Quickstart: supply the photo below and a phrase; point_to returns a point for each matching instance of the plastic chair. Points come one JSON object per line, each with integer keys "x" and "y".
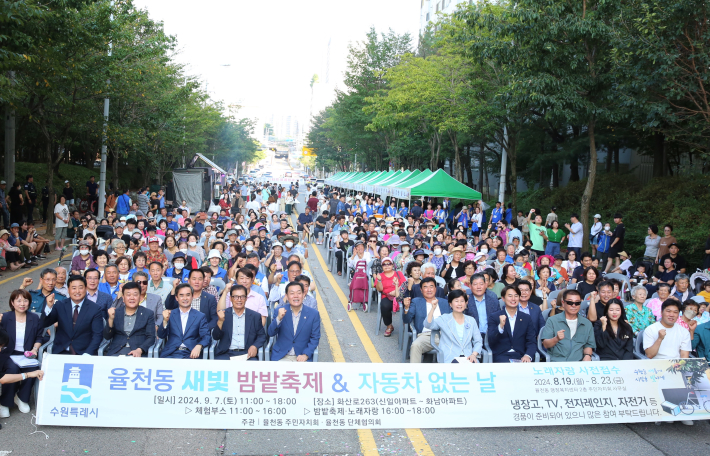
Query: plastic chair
{"x": 546, "y": 314}
{"x": 154, "y": 350}
{"x": 626, "y": 284}
{"x": 501, "y": 303}
{"x": 639, "y": 352}
{"x": 552, "y": 295}
{"x": 572, "y": 286}
{"x": 408, "y": 338}
{"x": 541, "y": 348}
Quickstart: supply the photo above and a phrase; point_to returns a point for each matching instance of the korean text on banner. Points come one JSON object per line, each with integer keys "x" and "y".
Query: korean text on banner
{"x": 128, "y": 392}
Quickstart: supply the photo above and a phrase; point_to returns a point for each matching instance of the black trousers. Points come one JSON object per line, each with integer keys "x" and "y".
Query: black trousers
{"x": 23, "y": 389}
{"x": 386, "y": 309}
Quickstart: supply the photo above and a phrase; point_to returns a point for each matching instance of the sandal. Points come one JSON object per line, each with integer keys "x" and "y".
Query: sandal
{"x": 388, "y": 331}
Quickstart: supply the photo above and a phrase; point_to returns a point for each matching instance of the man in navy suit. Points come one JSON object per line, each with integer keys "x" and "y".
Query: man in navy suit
{"x": 511, "y": 332}
{"x": 101, "y": 299}
{"x": 80, "y": 321}
{"x": 482, "y": 302}
{"x": 297, "y": 328}
{"x": 203, "y": 301}
{"x": 239, "y": 330}
{"x": 185, "y": 327}
{"x": 131, "y": 327}
{"x": 417, "y": 309}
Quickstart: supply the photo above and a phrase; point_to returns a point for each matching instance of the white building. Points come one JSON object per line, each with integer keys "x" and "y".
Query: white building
{"x": 430, "y": 8}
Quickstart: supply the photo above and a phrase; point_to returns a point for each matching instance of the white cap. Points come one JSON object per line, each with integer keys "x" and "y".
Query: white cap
{"x": 66, "y": 182}
{"x": 214, "y": 253}
{"x": 597, "y": 216}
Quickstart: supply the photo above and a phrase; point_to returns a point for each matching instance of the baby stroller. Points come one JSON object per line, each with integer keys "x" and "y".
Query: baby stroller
{"x": 359, "y": 286}
{"x": 698, "y": 279}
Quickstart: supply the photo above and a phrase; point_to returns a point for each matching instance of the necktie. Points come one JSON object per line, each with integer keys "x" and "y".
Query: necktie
{"x": 74, "y": 318}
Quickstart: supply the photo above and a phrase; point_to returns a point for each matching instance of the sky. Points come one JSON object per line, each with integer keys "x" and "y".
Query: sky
{"x": 262, "y": 54}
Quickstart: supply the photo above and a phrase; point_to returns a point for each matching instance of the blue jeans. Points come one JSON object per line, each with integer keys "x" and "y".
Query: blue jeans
{"x": 552, "y": 249}
{"x": 5, "y": 214}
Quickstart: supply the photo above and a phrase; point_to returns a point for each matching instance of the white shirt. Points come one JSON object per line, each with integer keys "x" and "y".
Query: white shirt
{"x": 20, "y": 336}
{"x": 63, "y": 211}
{"x": 183, "y": 320}
{"x": 572, "y": 327}
{"x": 677, "y": 339}
{"x": 596, "y": 229}
{"x": 437, "y": 314}
{"x": 575, "y": 239}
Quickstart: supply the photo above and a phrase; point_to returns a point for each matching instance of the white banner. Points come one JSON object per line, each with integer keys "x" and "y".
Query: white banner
{"x": 165, "y": 393}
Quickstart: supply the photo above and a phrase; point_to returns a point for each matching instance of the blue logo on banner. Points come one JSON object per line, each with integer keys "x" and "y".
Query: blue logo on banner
{"x": 76, "y": 383}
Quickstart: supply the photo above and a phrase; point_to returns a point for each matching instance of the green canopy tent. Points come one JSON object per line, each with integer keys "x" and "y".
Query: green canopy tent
{"x": 370, "y": 185}
{"x": 441, "y": 185}
{"x": 393, "y": 183}
{"x": 381, "y": 187}
{"x": 399, "y": 189}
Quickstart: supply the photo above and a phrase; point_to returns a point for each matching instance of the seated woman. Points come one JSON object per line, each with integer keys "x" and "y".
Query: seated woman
{"x": 460, "y": 340}
{"x": 22, "y": 332}
{"x": 591, "y": 280}
{"x": 613, "y": 335}
{"x": 639, "y": 316}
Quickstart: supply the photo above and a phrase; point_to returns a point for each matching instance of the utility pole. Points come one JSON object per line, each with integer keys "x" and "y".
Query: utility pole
{"x": 10, "y": 140}
{"x": 102, "y": 173}
{"x": 503, "y": 168}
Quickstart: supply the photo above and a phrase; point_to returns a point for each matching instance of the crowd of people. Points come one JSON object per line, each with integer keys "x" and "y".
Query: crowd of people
{"x": 166, "y": 280}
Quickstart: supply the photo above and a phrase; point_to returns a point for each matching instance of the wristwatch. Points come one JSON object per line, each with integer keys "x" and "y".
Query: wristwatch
{"x": 24, "y": 376}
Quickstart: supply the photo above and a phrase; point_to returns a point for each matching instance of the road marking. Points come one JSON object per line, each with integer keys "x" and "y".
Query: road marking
{"x": 368, "y": 446}
{"x": 421, "y": 446}
{"x": 354, "y": 319}
{"x": 419, "y": 442}
{"x": 20, "y": 275}
{"x": 328, "y": 325}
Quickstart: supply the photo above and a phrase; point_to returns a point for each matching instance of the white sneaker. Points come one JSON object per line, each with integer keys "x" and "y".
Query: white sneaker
{"x": 687, "y": 422}
{"x": 4, "y": 412}
{"x": 22, "y": 406}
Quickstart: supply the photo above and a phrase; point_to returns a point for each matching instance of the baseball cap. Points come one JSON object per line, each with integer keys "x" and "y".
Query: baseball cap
{"x": 120, "y": 225}
{"x": 672, "y": 244}
{"x": 14, "y": 225}
{"x": 123, "y": 218}
{"x": 140, "y": 213}
{"x": 153, "y": 239}
{"x": 66, "y": 182}
{"x": 597, "y": 216}
{"x": 3, "y": 182}
{"x": 214, "y": 253}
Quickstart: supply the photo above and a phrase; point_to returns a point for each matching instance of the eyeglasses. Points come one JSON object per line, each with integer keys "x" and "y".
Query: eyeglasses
{"x": 142, "y": 282}
{"x": 573, "y": 303}
{"x": 239, "y": 297}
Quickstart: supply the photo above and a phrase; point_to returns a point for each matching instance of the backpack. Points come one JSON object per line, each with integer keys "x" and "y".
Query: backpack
{"x": 359, "y": 284}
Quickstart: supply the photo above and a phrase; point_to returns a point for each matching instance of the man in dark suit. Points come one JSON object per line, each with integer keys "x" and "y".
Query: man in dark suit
{"x": 101, "y": 299}
{"x": 297, "y": 328}
{"x": 239, "y": 330}
{"x": 203, "y": 301}
{"x": 511, "y": 332}
{"x": 417, "y": 310}
{"x": 185, "y": 327}
{"x": 130, "y": 328}
{"x": 482, "y": 302}
{"x": 529, "y": 307}
{"x": 80, "y": 321}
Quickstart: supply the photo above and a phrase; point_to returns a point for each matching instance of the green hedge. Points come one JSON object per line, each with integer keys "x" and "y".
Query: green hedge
{"x": 683, "y": 201}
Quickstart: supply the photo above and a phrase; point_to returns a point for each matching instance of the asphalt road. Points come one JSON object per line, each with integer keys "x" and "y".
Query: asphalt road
{"x": 355, "y": 335}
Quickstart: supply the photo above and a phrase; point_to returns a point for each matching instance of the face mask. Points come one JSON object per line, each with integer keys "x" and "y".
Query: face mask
{"x": 249, "y": 248}
{"x": 437, "y": 251}
{"x": 484, "y": 250}
{"x": 519, "y": 263}
{"x": 192, "y": 244}
{"x": 289, "y": 244}
{"x": 470, "y": 257}
{"x": 689, "y": 314}
{"x": 183, "y": 251}
{"x": 607, "y": 227}
{"x": 405, "y": 249}
{"x": 179, "y": 266}
{"x": 84, "y": 252}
